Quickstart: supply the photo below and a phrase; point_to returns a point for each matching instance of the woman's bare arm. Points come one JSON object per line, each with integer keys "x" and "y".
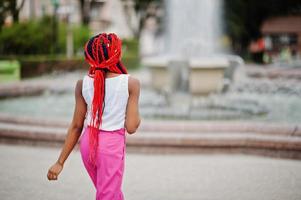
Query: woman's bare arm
{"x": 73, "y": 134}
{"x": 132, "y": 119}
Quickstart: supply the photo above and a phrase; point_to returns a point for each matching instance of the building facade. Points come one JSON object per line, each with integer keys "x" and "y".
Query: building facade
{"x": 282, "y": 36}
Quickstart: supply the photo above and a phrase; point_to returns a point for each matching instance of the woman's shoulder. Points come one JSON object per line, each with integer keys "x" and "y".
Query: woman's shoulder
{"x": 133, "y": 83}
{"x": 79, "y": 84}
{"x": 133, "y": 80}
{"x": 78, "y": 87}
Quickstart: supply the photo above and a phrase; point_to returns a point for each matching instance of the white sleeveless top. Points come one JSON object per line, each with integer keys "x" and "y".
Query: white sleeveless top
{"x": 116, "y": 98}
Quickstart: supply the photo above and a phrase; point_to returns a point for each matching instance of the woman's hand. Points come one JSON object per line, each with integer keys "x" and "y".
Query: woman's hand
{"x": 54, "y": 171}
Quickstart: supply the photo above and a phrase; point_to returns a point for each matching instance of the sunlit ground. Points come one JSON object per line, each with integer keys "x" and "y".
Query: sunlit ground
{"x": 148, "y": 177}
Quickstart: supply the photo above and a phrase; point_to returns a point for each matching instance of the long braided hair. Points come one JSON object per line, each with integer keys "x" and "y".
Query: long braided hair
{"x": 103, "y": 53}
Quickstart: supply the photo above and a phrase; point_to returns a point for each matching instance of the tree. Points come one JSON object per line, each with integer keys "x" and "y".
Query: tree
{"x": 10, "y": 7}
{"x": 15, "y": 9}
{"x": 85, "y": 10}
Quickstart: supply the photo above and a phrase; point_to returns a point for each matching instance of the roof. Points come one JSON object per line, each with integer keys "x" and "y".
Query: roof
{"x": 285, "y": 24}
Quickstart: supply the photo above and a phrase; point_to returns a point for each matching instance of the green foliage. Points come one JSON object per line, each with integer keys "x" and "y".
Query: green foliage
{"x": 130, "y": 54}
{"x": 32, "y": 44}
{"x": 36, "y": 37}
{"x": 81, "y": 35}
{"x": 26, "y": 38}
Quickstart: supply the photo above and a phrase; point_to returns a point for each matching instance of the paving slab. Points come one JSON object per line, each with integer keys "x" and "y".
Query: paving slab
{"x": 23, "y": 172}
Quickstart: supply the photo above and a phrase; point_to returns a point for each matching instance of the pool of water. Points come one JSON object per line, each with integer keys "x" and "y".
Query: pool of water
{"x": 57, "y": 106}
{"x": 233, "y": 106}
{"x": 247, "y": 100}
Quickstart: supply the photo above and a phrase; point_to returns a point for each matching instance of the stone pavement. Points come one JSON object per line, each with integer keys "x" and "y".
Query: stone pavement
{"x": 23, "y": 172}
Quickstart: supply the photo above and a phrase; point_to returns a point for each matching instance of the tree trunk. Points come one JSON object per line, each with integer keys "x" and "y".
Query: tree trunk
{"x": 16, "y": 10}
{"x": 85, "y": 11}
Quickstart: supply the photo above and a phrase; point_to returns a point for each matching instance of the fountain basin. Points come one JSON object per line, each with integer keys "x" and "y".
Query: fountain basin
{"x": 206, "y": 75}
{"x": 160, "y": 76}
{"x": 203, "y": 75}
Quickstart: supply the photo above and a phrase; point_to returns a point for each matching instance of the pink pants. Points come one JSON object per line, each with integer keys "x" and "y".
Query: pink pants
{"x": 108, "y": 174}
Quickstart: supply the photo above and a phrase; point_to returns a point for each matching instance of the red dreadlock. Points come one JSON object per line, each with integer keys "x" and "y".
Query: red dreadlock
{"x": 103, "y": 53}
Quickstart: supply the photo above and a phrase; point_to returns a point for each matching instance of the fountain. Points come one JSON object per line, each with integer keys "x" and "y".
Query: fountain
{"x": 190, "y": 57}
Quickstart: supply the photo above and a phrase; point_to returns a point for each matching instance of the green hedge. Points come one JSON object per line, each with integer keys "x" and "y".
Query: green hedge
{"x": 130, "y": 54}
{"x": 35, "y": 67}
{"x": 26, "y": 42}
{"x": 31, "y": 67}
{"x": 26, "y": 38}
{"x": 81, "y": 35}
{"x": 35, "y": 37}
{"x": 42, "y": 64}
